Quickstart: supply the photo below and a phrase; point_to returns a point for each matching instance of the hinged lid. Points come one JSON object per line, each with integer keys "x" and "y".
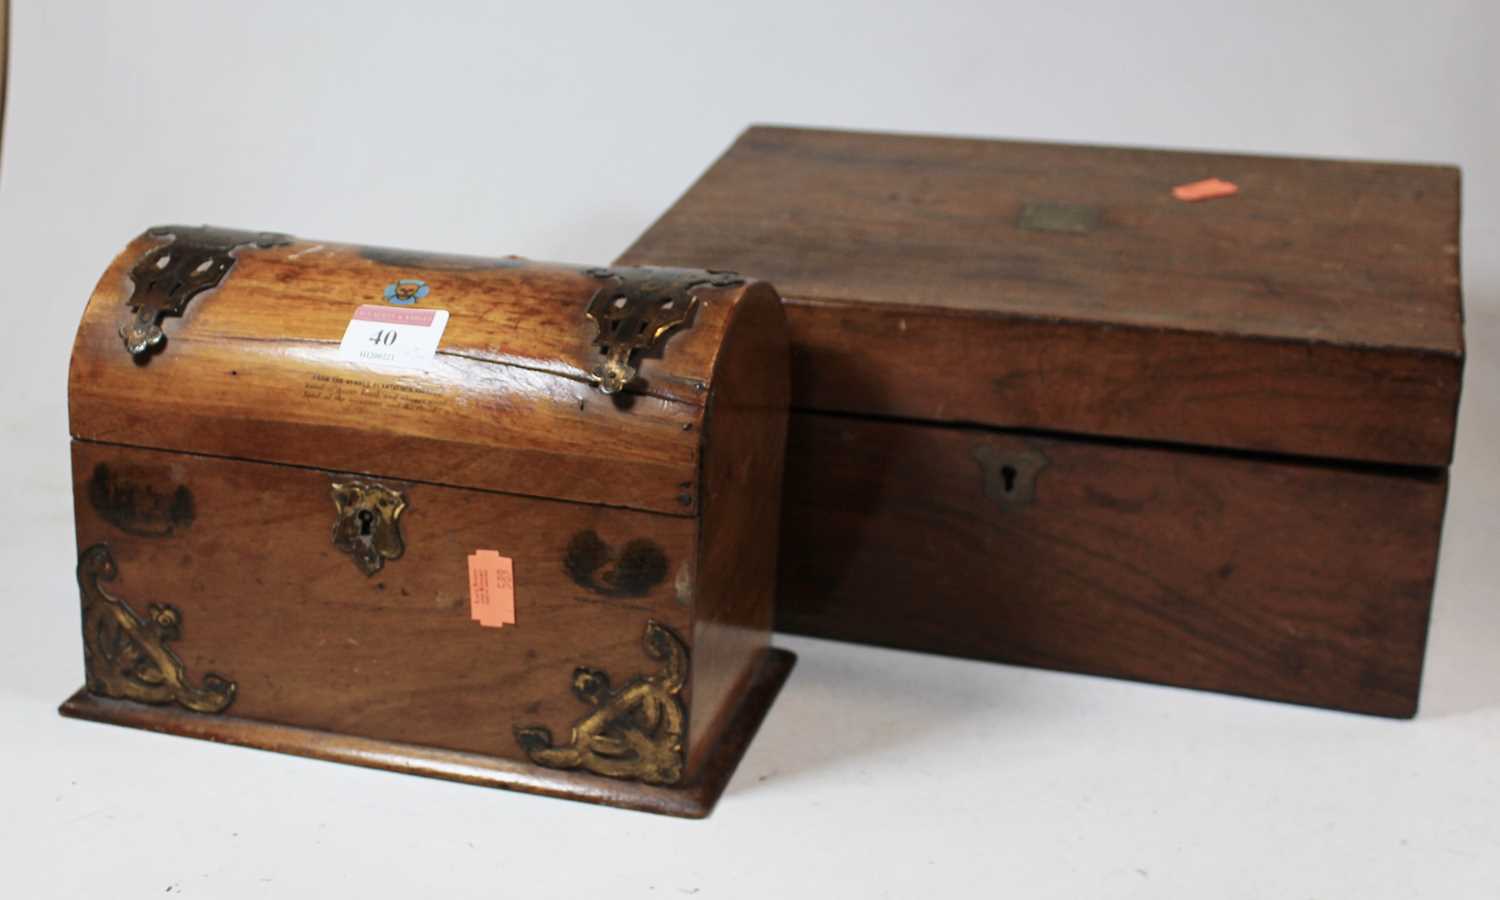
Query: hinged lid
{"x": 554, "y": 381}
{"x": 1316, "y": 312}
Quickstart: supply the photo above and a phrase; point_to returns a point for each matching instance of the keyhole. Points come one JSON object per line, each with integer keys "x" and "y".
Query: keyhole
{"x": 366, "y": 522}
{"x": 1008, "y": 476}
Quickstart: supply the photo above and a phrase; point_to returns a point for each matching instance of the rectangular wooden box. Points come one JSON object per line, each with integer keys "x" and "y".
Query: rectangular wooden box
{"x": 1045, "y": 412}
{"x": 285, "y": 546}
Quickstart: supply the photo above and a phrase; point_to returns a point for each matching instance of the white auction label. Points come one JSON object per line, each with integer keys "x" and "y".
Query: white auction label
{"x": 407, "y": 338}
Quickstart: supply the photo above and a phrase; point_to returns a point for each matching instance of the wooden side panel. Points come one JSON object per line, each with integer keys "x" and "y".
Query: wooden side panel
{"x": 1128, "y": 382}
{"x": 744, "y": 454}
{"x": 1288, "y": 581}
{"x": 244, "y": 550}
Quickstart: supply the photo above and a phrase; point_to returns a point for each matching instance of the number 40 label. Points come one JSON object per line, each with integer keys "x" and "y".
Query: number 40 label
{"x": 383, "y": 335}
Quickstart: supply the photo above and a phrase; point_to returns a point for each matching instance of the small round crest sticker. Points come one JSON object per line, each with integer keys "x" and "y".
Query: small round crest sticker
{"x": 406, "y": 291}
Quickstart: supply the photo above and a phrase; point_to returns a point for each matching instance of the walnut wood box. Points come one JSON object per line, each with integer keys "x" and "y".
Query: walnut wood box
{"x": 1046, "y": 413}
{"x": 275, "y": 537}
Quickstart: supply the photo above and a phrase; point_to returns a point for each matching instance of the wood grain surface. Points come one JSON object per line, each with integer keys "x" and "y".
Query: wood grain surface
{"x": 207, "y": 469}
{"x": 268, "y": 602}
{"x": 1316, "y": 313}
{"x": 694, "y": 800}
{"x": 1300, "y": 582}
{"x": 743, "y": 460}
{"x": 252, "y": 371}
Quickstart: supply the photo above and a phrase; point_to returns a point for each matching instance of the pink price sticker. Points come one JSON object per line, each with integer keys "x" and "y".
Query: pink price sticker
{"x": 492, "y": 589}
{"x": 422, "y": 318}
{"x": 1207, "y": 189}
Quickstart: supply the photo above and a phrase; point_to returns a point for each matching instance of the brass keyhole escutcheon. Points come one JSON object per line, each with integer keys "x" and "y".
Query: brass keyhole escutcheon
{"x": 1009, "y": 475}
{"x": 368, "y": 527}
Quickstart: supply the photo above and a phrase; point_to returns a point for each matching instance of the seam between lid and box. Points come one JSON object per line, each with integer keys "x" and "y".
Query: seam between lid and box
{"x": 686, "y": 514}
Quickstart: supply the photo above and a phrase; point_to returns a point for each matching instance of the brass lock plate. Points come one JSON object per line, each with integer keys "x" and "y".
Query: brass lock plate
{"x": 368, "y": 525}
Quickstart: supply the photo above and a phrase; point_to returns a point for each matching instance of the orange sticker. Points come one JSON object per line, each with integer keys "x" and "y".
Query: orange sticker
{"x": 1207, "y": 189}
{"x": 492, "y": 589}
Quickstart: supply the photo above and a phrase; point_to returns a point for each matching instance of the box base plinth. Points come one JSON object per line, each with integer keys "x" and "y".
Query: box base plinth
{"x": 694, "y": 799}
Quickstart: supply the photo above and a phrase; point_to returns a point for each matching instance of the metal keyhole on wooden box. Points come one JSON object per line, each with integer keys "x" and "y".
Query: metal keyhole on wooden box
{"x": 1009, "y": 477}
{"x": 367, "y": 526}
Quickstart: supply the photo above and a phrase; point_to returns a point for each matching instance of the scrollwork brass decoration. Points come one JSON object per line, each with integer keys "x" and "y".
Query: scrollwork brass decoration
{"x": 127, "y": 657}
{"x": 368, "y": 527}
{"x": 635, "y": 732}
{"x": 169, "y": 275}
{"x": 637, "y": 309}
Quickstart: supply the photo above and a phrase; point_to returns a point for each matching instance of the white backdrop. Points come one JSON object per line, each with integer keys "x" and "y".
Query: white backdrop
{"x": 558, "y": 131}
